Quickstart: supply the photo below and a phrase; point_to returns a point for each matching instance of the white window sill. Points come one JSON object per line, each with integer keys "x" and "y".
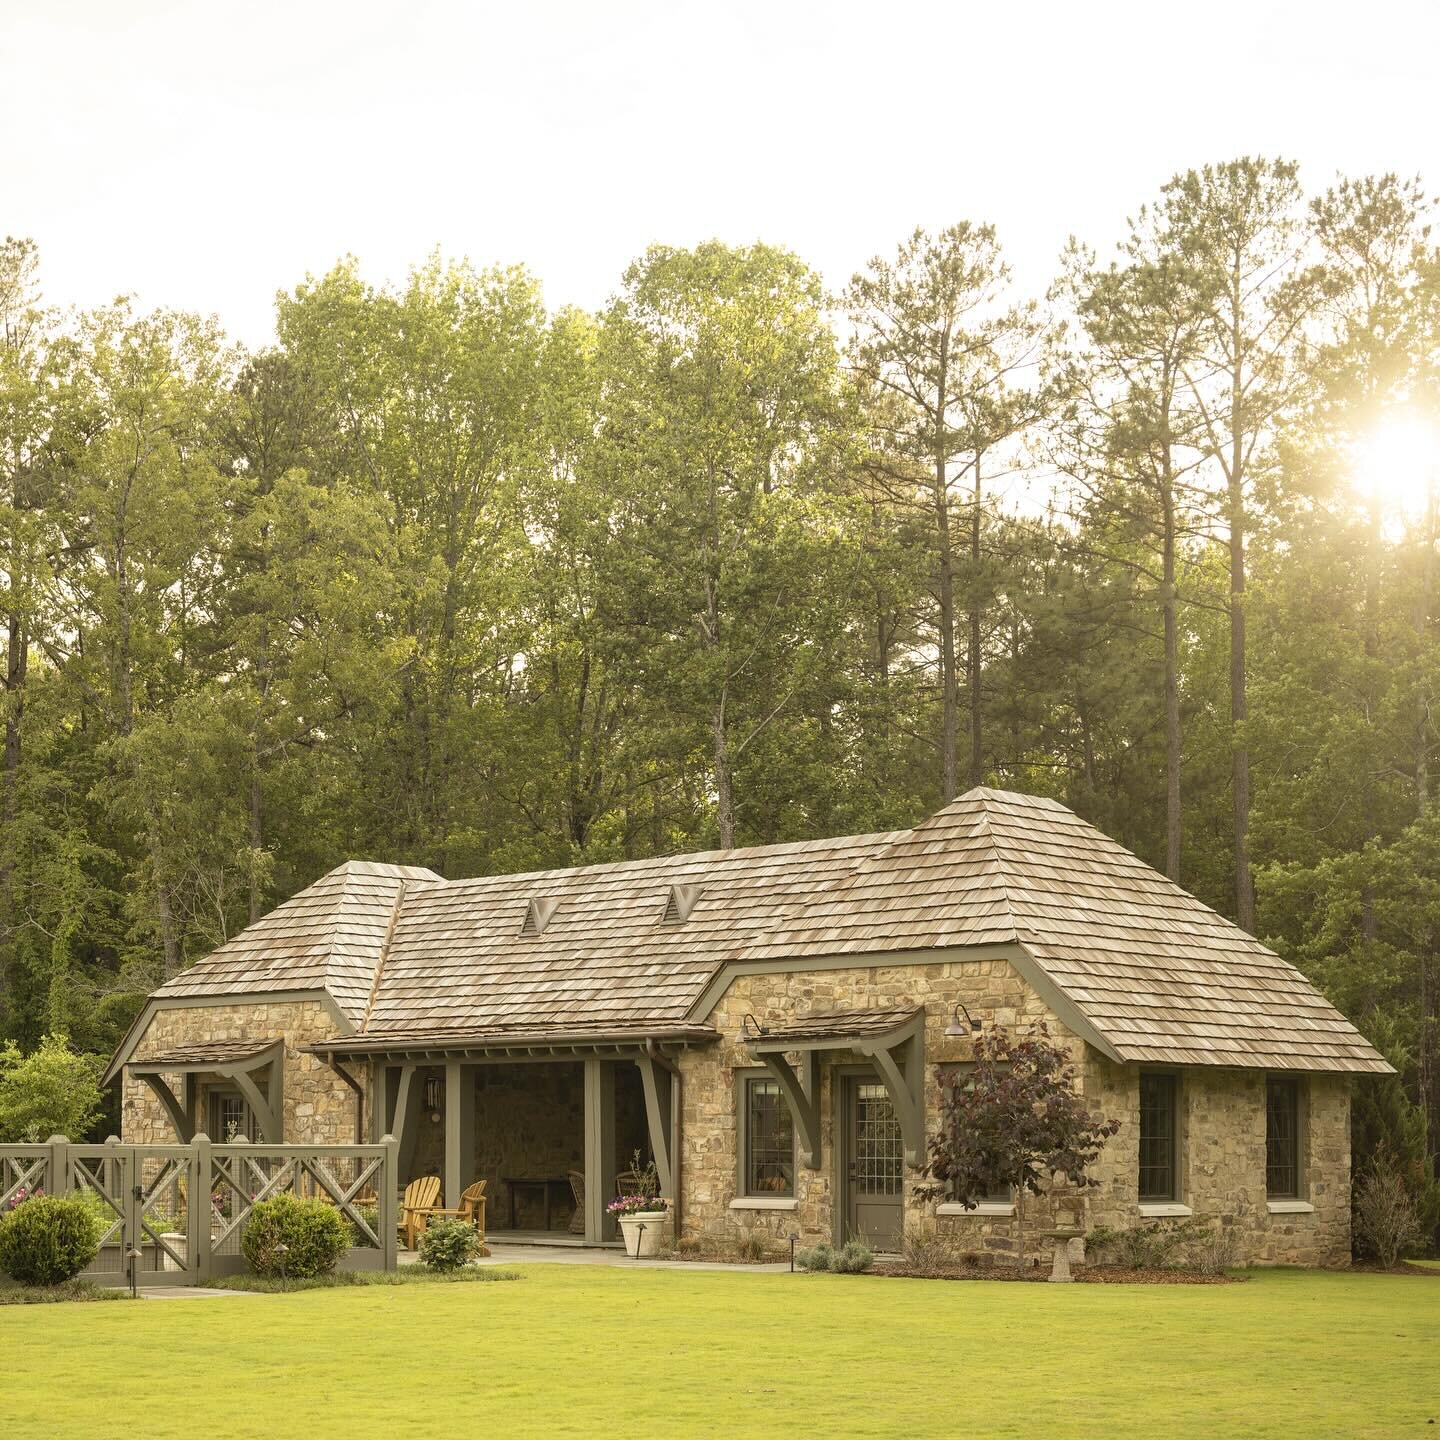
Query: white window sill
{"x": 1167, "y": 1210}
{"x": 764, "y": 1202}
{"x": 985, "y": 1207}
{"x": 1289, "y": 1207}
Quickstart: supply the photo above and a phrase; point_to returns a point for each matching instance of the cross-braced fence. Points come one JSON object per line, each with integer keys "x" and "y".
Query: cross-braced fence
{"x": 176, "y": 1214}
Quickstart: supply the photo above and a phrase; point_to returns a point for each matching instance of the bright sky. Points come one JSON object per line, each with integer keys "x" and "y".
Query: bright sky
{"x": 203, "y": 155}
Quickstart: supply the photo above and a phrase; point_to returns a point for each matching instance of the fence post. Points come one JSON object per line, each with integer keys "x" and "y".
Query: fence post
{"x": 203, "y": 1182}
{"x": 57, "y": 1180}
{"x": 389, "y": 1178}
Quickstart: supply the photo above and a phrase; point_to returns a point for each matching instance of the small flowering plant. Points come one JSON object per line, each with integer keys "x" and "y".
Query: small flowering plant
{"x": 636, "y": 1204}
{"x": 22, "y": 1195}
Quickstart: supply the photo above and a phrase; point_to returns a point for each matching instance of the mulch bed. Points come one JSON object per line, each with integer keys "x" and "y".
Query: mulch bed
{"x": 1082, "y": 1275}
{"x": 1403, "y": 1268}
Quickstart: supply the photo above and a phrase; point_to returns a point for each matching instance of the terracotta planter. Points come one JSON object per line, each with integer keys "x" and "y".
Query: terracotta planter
{"x": 642, "y": 1232}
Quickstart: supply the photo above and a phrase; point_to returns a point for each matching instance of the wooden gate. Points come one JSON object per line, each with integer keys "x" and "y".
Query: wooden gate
{"x": 176, "y": 1214}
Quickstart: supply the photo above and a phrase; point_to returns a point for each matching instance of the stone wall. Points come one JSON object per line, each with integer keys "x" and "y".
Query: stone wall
{"x": 990, "y": 989}
{"x": 317, "y": 1106}
{"x": 1222, "y": 1161}
{"x": 1222, "y": 1125}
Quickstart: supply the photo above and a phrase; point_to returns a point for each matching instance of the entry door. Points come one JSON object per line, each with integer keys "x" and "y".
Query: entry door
{"x": 875, "y": 1153}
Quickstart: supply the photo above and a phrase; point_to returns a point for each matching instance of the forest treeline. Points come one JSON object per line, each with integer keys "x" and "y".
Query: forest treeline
{"x": 447, "y": 578}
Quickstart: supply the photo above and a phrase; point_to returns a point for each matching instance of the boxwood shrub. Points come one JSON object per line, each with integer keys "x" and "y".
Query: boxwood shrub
{"x": 47, "y": 1241}
{"x": 448, "y": 1245}
{"x": 294, "y": 1238}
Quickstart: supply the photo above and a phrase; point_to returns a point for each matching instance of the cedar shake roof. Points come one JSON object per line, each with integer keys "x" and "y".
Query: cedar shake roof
{"x": 329, "y": 937}
{"x": 1146, "y": 968}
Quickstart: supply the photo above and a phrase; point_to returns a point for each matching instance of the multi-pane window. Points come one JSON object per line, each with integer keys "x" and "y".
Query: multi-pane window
{"x": 1159, "y": 1178}
{"x": 769, "y": 1160}
{"x": 232, "y": 1118}
{"x": 1282, "y": 1138}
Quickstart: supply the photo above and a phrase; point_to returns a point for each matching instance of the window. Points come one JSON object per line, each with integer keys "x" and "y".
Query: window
{"x": 767, "y": 1164}
{"x": 231, "y": 1117}
{"x": 1282, "y": 1138}
{"x": 1159, "y": 1172}
{"x": 961, "y": 1077}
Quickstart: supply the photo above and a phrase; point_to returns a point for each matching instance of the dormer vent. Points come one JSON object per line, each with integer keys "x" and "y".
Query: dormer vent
{"x": 680, "y": 903}
{"x": 537, "y": 916}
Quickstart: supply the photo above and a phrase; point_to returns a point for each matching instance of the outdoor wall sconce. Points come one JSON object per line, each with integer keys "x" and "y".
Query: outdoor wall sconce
{"x": 433, "y": 1093}
{"x": 751, "y": 1028}
{"x": 971, "y": 1026}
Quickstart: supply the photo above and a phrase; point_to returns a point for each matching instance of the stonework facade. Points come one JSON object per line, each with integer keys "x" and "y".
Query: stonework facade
{"x": 530, "y": 1117}
{"x": 316, "y": 1105}
{"x": 1221, "y": 1139}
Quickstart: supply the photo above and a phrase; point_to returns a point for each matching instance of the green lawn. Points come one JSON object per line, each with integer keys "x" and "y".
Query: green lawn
{"x": 579, "y": 1350}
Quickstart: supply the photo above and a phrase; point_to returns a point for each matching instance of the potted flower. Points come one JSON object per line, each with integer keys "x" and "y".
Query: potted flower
{"x": 642, "y": 1214}
{"x": 643, "y": 1219}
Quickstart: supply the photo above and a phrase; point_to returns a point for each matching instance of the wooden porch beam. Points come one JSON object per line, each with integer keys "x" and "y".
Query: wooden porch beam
{"x": 180, "y": 1116}
{"x": 903, "y": 1078}
{"x": 656, "y": 1079}
{"x": 802, "y": 1095}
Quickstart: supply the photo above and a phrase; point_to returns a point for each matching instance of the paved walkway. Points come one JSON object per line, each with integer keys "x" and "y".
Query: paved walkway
{"x": 501, "y": 1254}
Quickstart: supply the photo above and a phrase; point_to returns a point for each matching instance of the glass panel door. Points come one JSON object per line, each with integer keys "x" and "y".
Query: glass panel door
{"x": 876, "y": 1167}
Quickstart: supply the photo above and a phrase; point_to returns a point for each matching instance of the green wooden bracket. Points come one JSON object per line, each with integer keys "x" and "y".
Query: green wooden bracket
{"x": 264, "y": 1111}
{"x": 802, "y": 1095}
{"x": 656, "y": 1079}
{"x": 901, "y": 1063}
{"x": 178, "y": 1112}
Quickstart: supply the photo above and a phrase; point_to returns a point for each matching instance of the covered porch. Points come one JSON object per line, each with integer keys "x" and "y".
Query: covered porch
{"x": 547, "y": 1119}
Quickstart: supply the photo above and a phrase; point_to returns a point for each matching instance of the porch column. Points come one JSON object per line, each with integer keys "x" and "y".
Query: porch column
{"x": 459, "y": 1129}
{"x": 599, "y": 1148}
{"x": 403, "y": 1126}
{"x": 381, "y": 1122}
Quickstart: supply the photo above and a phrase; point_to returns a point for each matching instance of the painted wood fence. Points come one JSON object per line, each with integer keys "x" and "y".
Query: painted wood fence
{"x": 176, "y": 1213}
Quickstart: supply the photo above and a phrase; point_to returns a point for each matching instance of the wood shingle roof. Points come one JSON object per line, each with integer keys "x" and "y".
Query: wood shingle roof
{"x": 1157, "y": 975}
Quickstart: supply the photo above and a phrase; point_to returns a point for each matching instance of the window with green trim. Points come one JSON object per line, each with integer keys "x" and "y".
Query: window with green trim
{"x": 1282, "y": 1137}
{"x": 768, "y": 1162}
{"x": 1159, "y": 1148}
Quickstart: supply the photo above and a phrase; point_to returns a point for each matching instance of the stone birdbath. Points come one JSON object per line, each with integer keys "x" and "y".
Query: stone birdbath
{"x": 1060, "y": 1265}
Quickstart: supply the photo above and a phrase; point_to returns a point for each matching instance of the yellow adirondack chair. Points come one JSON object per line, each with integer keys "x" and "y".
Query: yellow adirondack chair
{"x": 471, "y": 1208}
{"x": 421, "y": 1198}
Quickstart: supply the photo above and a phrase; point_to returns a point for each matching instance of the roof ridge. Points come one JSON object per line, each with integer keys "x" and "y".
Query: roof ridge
{"x": 1002, "y": 881}
{"x": 384, "y": 955}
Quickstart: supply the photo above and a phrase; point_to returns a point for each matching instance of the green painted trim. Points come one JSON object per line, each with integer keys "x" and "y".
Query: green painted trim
{"x": 179, "y": 1118}
{"x": 802, "y": 1100}
{"x": 906, "y": 1087}
{"x": 728, "y": 973}
{"x": 141, "y": 1022}
{"x": 655, "y": 1080}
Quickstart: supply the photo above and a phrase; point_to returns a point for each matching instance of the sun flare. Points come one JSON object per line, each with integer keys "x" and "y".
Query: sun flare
{"x": 1396, "y": 465}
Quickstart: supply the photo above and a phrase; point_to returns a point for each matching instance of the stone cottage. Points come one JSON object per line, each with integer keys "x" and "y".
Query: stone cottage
{"x": 773, "y": 1027}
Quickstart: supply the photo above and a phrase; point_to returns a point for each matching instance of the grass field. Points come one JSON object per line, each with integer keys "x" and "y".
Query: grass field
{"x": 579, "y": 1350}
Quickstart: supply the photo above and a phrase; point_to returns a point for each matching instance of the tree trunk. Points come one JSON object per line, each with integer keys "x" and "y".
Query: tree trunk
{"x": 257, "y": 839}
{"x": 1172, "y": 684}
{"x": 1239, "y": 701}
{"x": 949, "y": 687}
{"x": 724, "y": 792}
{"x": 977, "y": 763}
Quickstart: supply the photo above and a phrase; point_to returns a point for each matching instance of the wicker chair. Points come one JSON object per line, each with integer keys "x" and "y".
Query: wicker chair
{"x": 630, "y": 1182}
{"x": 577, "y": 1189}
